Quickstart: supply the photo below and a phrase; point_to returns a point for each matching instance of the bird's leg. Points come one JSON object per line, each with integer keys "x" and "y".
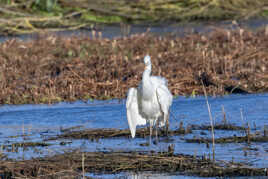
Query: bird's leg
{"x": 167, "y": 124}
{"x": 151, "y": 130}
{"x": 156, "y": 137}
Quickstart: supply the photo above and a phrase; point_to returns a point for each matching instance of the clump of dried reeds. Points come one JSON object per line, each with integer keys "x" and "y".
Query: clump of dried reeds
{"x": 51, "y": 69}
{"x": 73, "y": 165}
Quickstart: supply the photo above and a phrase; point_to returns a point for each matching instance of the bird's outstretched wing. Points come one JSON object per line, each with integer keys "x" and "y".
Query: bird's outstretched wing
{"x": 164, "y": 98}
{"x": 133, "y": 116}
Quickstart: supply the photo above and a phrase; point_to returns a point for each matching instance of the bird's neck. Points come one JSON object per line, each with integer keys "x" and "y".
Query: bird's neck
{"x": 146, "y": 74}
{"x": 146, "y": 82}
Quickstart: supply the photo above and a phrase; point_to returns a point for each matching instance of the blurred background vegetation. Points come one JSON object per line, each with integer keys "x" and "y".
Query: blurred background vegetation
{"x": 26, "y": 16}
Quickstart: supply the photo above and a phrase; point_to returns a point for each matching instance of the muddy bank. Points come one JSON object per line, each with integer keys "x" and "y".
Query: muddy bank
{"x": 52, "y": 69}
{"x": 74, "y": 164}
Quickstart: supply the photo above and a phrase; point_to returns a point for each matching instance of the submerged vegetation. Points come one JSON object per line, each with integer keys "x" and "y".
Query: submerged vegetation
{"x": 21, "y": 16}
{"x": 51, "y": 69}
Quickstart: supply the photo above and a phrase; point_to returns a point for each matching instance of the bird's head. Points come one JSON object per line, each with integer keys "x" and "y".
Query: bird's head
{"x": 147, "y": 60}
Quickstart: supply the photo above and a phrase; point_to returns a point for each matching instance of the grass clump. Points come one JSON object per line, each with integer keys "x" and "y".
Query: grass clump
{"x": 89, "y": 16}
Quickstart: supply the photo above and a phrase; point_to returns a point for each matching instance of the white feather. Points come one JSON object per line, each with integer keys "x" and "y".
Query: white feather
{"x": 133, "y": 116}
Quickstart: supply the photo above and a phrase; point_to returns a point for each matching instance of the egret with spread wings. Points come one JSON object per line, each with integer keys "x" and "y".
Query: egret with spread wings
{"x": 149, "y": 102}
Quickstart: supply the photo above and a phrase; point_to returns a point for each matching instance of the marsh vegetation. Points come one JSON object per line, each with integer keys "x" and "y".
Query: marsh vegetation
{"x": 51, "y": 69}
{"x": 21, "y": 16}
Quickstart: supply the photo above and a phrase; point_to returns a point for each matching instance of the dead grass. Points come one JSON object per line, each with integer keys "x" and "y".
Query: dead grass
{"x": 51, "y": 69}
{"x": 71, "y": 165}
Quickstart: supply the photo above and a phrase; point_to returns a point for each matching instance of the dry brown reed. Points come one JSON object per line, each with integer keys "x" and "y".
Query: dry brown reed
{"x": 211, "y": 122}
{"x": 70, "y": 164}
{"x": 51, "y": 69}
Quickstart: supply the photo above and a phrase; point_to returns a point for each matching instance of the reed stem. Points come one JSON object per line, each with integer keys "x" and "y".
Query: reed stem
{"x": 211, "y": 122}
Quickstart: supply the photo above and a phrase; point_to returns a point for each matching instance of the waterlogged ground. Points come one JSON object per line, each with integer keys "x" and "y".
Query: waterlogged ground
{"x": 37, "y": 123}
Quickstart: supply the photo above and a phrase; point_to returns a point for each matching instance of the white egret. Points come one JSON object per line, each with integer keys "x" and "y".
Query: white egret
{"x": 150, "y": 102}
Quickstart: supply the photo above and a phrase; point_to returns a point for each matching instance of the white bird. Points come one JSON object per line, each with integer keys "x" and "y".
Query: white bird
{"x": 150, "y": 102}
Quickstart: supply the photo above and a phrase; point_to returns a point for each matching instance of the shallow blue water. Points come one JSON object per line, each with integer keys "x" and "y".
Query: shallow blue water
{"x": 40, "y": 122}
{"x": 149, "y": 175}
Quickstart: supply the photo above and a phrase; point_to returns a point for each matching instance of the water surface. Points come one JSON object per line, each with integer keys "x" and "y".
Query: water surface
{"x": 178, "y": 29}
{"x": 24, "y": 123}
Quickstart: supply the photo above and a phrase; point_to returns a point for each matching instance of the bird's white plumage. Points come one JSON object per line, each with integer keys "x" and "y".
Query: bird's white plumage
{"x": 133, "y": 116}
{"x": 150, "y": 102}
{"x": 165, "y": 100}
